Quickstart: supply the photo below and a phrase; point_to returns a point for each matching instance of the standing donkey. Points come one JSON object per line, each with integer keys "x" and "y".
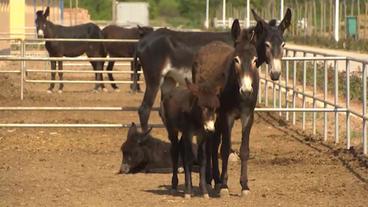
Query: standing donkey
{"x": 239, "y": 95}
{"x": 47, "y": 29}
{"x": 191, "y": 111}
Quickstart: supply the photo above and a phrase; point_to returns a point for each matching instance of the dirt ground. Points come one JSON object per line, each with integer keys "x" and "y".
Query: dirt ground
{"x": 77, "y": 167}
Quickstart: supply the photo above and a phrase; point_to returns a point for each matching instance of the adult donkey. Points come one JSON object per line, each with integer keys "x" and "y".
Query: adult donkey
{"x": 47, "y": 29}
{"x": 239, "y": 95}
{"x": 122, "y": 49}
{"x": 164, "y": 51}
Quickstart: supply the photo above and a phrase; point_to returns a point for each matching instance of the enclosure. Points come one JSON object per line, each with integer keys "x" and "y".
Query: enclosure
{"x": 290, "y": 164}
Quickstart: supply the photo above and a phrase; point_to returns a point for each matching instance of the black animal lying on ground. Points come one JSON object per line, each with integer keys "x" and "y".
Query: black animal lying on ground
{"x": 144, "y": 153}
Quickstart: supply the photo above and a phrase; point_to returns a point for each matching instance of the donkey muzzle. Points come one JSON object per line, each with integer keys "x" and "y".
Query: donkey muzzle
{"x": 124, "y": 168}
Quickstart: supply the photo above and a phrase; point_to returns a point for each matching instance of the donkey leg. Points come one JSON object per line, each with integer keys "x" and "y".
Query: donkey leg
{"x": 215, "y": 143}
{"x": 187, "y": 155}
{"x": 173, "y": 136}
{"x": 98, "y": 76}
{"x": 53, "y": 74}
{"x": 202, "y": 163}
{"x": 147, "y": 103}
{"x": 225, "y": 152}
{"x": 247, "y": 122}
{"x": 110, "y": 67}
{"x": 61, "y": 85}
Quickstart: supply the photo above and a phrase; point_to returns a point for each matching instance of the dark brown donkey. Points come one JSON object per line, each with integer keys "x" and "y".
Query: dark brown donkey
{"x": 239, "y": 95}
{"x": 166, "y": 50}
{"x": 122, "y": 49}
{"x": 46, "y": 29}
{"x": 190, "y": 111}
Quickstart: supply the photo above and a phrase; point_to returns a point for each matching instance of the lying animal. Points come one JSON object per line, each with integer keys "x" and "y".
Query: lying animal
{"x": 145, "y": 153}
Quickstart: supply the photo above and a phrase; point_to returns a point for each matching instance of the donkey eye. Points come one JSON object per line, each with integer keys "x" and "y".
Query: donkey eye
{"x": 237, "y": 60}
{"x": 268, "y": 44}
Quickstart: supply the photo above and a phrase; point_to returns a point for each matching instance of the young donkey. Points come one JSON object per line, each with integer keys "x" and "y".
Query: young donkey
{"x": 46, "y": 29}
{"x": 145, "y": 153}
{"x": 190, "y": 111}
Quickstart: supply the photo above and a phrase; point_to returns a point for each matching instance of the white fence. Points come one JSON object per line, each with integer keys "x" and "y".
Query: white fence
{"x": 285, "y": 92}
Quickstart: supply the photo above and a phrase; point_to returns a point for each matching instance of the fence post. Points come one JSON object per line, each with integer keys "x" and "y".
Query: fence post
{"x": 314, "y": 93}
{"x": 364, "y": 77}
{"x": 304, "y": 86}
{"x": 294, "y": 88}
{"x": 22, "y": 69}
{"x": 287, "y": 88}
{"x": 325, "y": 89}
{"x": 336, "y": 101}
{"x": 266, "y": 86}
{"x": 347, "y": 104}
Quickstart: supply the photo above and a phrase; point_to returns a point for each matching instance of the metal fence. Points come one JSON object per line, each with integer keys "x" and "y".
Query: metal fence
{"x": 23, "y": 58}
{"x": 287, "y": 93}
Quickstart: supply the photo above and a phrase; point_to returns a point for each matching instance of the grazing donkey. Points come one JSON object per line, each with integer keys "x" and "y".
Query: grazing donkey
{"x": 239, "y": 95}
{"x": 145, "y": 153}
{"x": 122, "y": 49}
{"x": 191, "y": 111}
{"x": 47, "y": 29}
{"x": 166, "y": 50}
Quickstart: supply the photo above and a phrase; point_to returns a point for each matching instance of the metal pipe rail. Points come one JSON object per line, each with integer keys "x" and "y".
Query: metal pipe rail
{"x": 80, "y": 71}
{"x": 16, "y": 58}
{"x": 79, "y": 40}
{"x": 35, "y": 125}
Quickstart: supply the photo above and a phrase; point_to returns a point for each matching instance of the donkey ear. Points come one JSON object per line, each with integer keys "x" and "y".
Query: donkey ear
{"x": 132, "y": 130}
{"x": 235, "y": 29}
{"x": 285, "y": 23}
{"x": 144, "y": 137}
{"x": 256, "y": 17}
{"x": 148, "y": 131}
{"x": 47, "y": 12}
{"x": 192, "y": 87}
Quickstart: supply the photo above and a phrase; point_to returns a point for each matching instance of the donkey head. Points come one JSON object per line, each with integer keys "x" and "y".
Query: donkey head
{"x": 41, "y": 22}
{"x": 133, "y": 149}
{"x": 143, "y": 31}
{"x": 270, "y": 42}
{"x": 207, "y": 101}
{"x": 245, "y": 57}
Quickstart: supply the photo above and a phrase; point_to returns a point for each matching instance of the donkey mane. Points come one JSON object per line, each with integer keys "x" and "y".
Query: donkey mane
{"x": 272, "y": 22}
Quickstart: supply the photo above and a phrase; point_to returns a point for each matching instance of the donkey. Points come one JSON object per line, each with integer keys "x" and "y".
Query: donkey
{"x": 47, "y": 29}
{"x": 145, "y": 153}
{"x": 122, "y": 49}
{"x": 190, "y": 111}
{"x": 166, "y": 50}
{"x": 239, "y": 95}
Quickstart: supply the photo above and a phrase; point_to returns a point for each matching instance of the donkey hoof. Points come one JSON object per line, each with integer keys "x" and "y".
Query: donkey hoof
{"x": 224, "y": 192}
{"x": 217, "y": 188}
{"x": 187, "y": 196}
{"x": 49, "y": 91}
{"x": 117, "y": 90}
{"x": 60, "y": 91}
{"x": 206, "y": 196}
{"x": 105, "y": 90}
{"x": 233, "y": 157}
{"x": 245, "y": 193}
